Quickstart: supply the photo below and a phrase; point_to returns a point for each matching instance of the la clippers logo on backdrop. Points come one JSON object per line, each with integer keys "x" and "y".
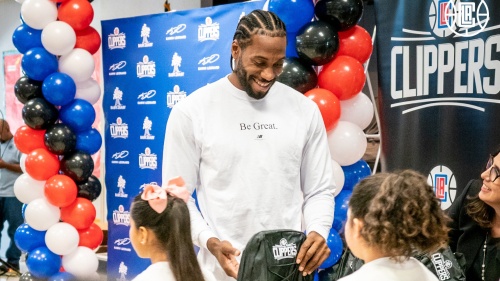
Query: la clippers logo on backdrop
{"x": 445, "y": 185}
{"x": 148, "y": 160}
{"x": 147, "y": 126}
{"x": 440, "y": 72}
{"x": 441, "y": 265}
{"x": 208, "y": 31}
{"x": 119, "y": 129}
{"x": 118, "y": 156}
{"x": 146, "y": 68}
{"x": 122, "y": 270}
{"x": 176, "y": 30}
{"x": 121, "y": 186}
{"x": 117, "y": 40}
{"x": 174, "y": 97}
{"x": 121, "y": 217}
{"x": 284, "y": 250}
{"x": 143, "y": 98}
{"x": 120, "y": 243}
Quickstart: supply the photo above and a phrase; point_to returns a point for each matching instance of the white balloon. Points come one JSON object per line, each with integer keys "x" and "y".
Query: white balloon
{"x": 28, "y": 189}
{"x": 62, "y": 238}
{"x": 41, "y": 215}
{"x": 78, "y": 64}
{"x": 22, "y": 162}
{"x": 38, "y": 13}
{"x": 82, "y": 262}
{"x": 347, "y": 143}
{"x": 88, "y": 90}
{"x": 58, "y": 38}
{"x": 338, "y": 176}
{"x": 358, "y": 110}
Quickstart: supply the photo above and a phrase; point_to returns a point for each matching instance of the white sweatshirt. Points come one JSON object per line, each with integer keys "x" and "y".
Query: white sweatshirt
{"x": 255, "y": 164}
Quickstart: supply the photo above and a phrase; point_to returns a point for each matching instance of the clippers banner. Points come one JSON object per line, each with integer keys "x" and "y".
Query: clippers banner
{"x": 149, "y": 64}
{"x": 439, "y": 77}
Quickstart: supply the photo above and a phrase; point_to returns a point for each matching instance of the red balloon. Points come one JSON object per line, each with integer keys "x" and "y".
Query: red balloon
{"x": 355, "y": 42}
{"x": 91, "y": 237}
{"x": 80, "y": 214}
{"x": 60, "y": 190}
{"x": 88, "y": 39}
{"x": 77, "y": 13}
{"x": 344, "y": 76}
{"x": 328, "y": 104}
{"x": 28, "y": 139}
{"x": 41, "y": 164}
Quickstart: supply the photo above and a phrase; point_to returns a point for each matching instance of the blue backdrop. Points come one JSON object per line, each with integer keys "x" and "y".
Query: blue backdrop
{"x": 149, "y": 64}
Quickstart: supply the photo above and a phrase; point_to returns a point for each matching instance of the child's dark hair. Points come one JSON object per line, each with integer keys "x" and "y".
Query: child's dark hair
{"x": 400, "y": 213}
{"x": 172, "y": 228}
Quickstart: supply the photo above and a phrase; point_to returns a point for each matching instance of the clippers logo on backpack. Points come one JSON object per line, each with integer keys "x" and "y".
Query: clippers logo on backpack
{"x": 284, "y": 250}
{"x": 442, "y": 265}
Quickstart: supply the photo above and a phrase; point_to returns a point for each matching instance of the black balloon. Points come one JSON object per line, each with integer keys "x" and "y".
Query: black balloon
{"x": 28, "y": 277}
{"x": 317, "y": 42}
{"x": 298, "y": 75}
{"x": 39, "y": 114}
{"x": 27, "y": 88}
{"x": 78, "y": 166}
{"x": 342, "y": 14}
{"x": 59, "y": 139}
{"x": 91, "y": 189}
{"x": 328, "y": 274}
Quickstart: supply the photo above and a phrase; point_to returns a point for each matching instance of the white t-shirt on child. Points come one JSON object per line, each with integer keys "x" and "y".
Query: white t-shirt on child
{"x": 161, "y": 271}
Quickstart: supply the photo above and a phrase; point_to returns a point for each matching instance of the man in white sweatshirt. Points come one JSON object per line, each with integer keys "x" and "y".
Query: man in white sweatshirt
{"x": 255, "y": 151}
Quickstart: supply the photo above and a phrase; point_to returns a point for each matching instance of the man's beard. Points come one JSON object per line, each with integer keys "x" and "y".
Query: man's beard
{"x": 242, "y": 74}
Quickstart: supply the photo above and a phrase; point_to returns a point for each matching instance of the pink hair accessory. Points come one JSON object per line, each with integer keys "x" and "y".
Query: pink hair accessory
{"x": 157, "y": 195}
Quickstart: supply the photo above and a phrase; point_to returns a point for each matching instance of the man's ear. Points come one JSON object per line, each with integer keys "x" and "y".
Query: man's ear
{"x": 235, "y": 49}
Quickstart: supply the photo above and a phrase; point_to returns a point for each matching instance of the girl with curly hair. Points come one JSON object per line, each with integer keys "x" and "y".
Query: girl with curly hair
{"x": 391, "y": 217}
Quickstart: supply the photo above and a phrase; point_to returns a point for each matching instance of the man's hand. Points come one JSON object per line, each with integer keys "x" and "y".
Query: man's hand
{"x": 3, "y": 164}
{"x": 312, "y": 253}
{"x": 226, "y": 255}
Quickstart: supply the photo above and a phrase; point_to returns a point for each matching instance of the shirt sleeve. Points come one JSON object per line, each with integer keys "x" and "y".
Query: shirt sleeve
{"x": 181, "y": 157}
{"x": 318, "y": 185}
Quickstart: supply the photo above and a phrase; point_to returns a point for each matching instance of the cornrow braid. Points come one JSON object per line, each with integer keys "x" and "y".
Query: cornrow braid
{"x": 258, "y": 22}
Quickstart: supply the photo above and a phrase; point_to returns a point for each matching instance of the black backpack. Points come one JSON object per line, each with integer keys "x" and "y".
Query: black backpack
{"x": 270, "y": 256}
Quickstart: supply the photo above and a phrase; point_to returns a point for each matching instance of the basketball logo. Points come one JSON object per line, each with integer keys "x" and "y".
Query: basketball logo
{"x": 442, "y": 179}
{"x": 439, "y": 18}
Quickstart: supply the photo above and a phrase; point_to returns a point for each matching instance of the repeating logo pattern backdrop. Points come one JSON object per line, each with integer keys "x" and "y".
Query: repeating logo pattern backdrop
{"x": 439, "y": 72}
{"x": 150, "y": 63}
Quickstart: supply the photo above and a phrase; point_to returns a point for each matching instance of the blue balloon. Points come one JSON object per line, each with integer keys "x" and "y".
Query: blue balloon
{"x": 89, "y": 141}
{"x": 59, "y": 89}
{"x": 37, "y": 63}
{"x": 42, "y": 263}
{"x": 334, "y": 242}
{"x": 25, "y": 38}
{"x": 78, "y": 115}
{"x": 62, "y": 276}
{"x": 291, "y": 45}
{"x": 316, "y": 277}
{"x": 341, "y": 206}
{"x": 355, "y": 173}
{"x": 294, "y": 13}
{"x": 26, "y": 238}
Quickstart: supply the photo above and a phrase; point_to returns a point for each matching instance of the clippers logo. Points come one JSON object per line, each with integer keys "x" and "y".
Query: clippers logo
{"x": 145, "y": 33}
{"x": 146, "y": 68}
{"x": 284, "y": 250}
{"x": 121, "y": 186}
{"x": 118, "y": 129}
{"x": 117, "y": 40}
{"x": 174, "y": 97}
{"x": 143, "y": 97}
{"x": 118, "y": 156}
{"x": 176, "y": 30}
{"x": 209, "y": 60}
{"x": 122, "y": 270}
{"x": 117, "y": 66}
{"x": 426, "y": 71}
{"x": 148, "y": 160}
{"x": 176, "y": 63}
{"x": 119, "y": 243}
{"x": 441, "y": 265}
{"x": 121, "y": 217}
{"x": 147, "y": 127}
{"x": 208, "y": 31}
{"x": 444, "y": 183}
{"x": 117, "y": 97}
